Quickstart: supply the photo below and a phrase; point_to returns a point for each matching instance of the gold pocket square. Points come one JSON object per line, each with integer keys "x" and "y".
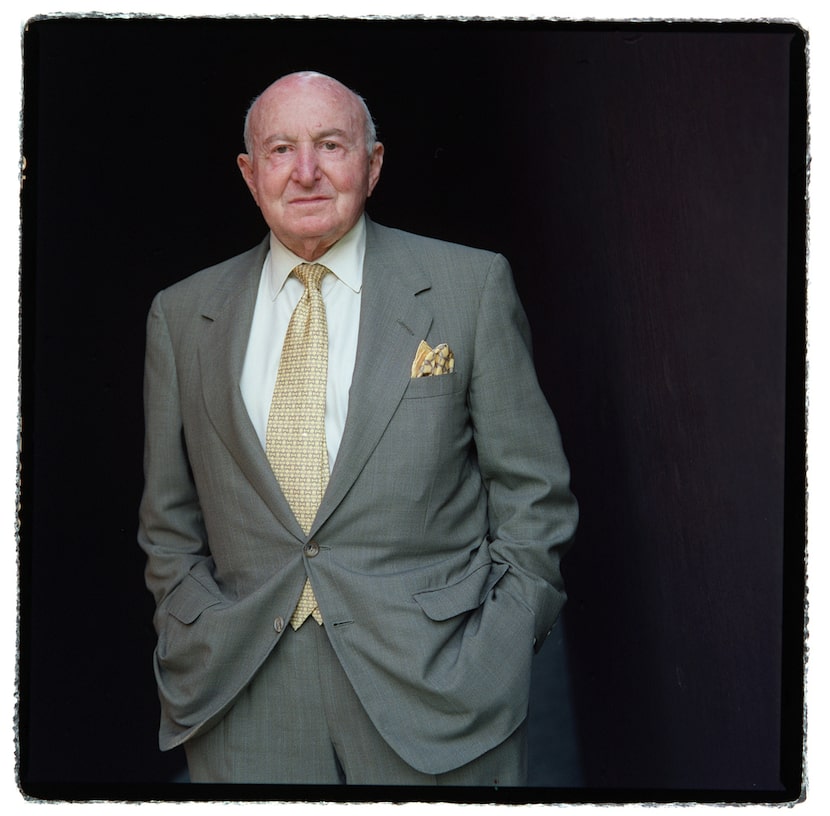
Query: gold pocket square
{"x": 430, "y": 362}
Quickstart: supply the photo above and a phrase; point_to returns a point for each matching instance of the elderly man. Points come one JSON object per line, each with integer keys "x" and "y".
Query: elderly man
{"x": 356, "y": 498}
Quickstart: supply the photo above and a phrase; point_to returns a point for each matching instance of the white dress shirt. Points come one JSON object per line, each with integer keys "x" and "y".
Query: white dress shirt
{"x": 279, "y": 292}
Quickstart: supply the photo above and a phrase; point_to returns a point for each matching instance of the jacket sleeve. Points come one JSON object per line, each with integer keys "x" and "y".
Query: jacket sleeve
{"x": 171, "y": 527}
{"x": 532, "y": 512}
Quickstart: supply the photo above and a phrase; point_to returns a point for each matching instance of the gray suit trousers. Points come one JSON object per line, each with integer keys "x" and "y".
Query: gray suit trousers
{"x": 300, "y": 722}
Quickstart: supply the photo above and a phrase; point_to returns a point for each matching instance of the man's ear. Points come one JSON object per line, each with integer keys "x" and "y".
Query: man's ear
{"x": 243, "y": 162}
{"x": 375, "y": 163}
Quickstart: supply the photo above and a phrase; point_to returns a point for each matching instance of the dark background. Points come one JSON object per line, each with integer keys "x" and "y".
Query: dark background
{"x": 647, "y": 184}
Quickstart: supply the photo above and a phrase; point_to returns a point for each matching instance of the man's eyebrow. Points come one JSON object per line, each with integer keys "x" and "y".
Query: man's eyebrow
{"x": 276, "y": 137}
{"x": 331, "y": 132}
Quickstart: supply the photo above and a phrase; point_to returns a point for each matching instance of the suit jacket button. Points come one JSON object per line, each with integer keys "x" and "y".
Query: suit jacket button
{"x": 279, "y": 624}
{"x": 311, "y": 549}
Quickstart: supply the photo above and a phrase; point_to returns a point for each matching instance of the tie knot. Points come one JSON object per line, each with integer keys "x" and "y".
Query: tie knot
{"x": 310, "y": 274}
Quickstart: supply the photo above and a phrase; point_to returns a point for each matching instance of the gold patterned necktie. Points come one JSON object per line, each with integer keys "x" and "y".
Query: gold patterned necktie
{"x": 295, "y": 440}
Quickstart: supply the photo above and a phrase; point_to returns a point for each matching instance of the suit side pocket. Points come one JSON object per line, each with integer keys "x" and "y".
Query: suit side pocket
{"x": 462, "y": 596}
{"x": 184, "y": 606}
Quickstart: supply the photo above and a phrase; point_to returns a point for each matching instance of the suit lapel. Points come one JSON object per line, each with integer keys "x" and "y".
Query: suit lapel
{"x": 393, "y": 321}
{"x": 227, "y": 316}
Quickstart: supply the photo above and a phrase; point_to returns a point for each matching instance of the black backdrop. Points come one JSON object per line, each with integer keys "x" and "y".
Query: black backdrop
{"x": 647, "y": 184}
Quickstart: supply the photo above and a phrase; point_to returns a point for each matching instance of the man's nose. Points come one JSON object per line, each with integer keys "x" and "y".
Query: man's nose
{"x": 306, "y": 167}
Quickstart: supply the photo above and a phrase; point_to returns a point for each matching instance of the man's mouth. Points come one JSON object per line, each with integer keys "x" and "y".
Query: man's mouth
{"x": 309, "y": 200}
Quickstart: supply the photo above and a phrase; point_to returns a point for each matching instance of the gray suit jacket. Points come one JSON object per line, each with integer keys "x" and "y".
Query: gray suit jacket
{"x": 440, "y": 533}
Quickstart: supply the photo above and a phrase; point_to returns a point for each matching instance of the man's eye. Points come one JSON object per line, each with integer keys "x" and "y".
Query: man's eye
{"x": 279, "y": 149}
{"x": 329, "y": 145}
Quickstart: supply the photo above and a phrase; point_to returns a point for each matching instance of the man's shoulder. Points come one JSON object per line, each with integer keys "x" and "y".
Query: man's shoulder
{"x": 418, "y": 243}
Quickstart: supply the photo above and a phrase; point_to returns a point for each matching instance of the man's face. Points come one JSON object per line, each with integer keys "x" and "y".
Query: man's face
{"x": 308, "y": 170}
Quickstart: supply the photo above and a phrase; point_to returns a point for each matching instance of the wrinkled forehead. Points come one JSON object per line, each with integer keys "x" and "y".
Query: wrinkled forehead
{"x": 297, "y": 107}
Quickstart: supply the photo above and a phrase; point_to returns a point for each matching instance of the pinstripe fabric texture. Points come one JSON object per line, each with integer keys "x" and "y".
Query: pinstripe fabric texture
{"x": 295, "y": 441}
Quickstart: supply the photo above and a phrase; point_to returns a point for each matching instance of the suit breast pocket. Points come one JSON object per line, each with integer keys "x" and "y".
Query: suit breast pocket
{"x": 425, "y": 387}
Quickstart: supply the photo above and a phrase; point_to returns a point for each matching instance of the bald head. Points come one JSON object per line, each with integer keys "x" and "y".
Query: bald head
{"x": 312, "y": 160}
{"x": 296, "y": 82}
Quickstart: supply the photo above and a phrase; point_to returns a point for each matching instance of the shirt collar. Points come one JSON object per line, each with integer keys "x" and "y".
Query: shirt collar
{"x": 344, "y": 259}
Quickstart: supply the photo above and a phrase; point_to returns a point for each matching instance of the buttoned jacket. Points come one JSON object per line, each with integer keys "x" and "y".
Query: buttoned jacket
{"x": 435, "y": 554}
